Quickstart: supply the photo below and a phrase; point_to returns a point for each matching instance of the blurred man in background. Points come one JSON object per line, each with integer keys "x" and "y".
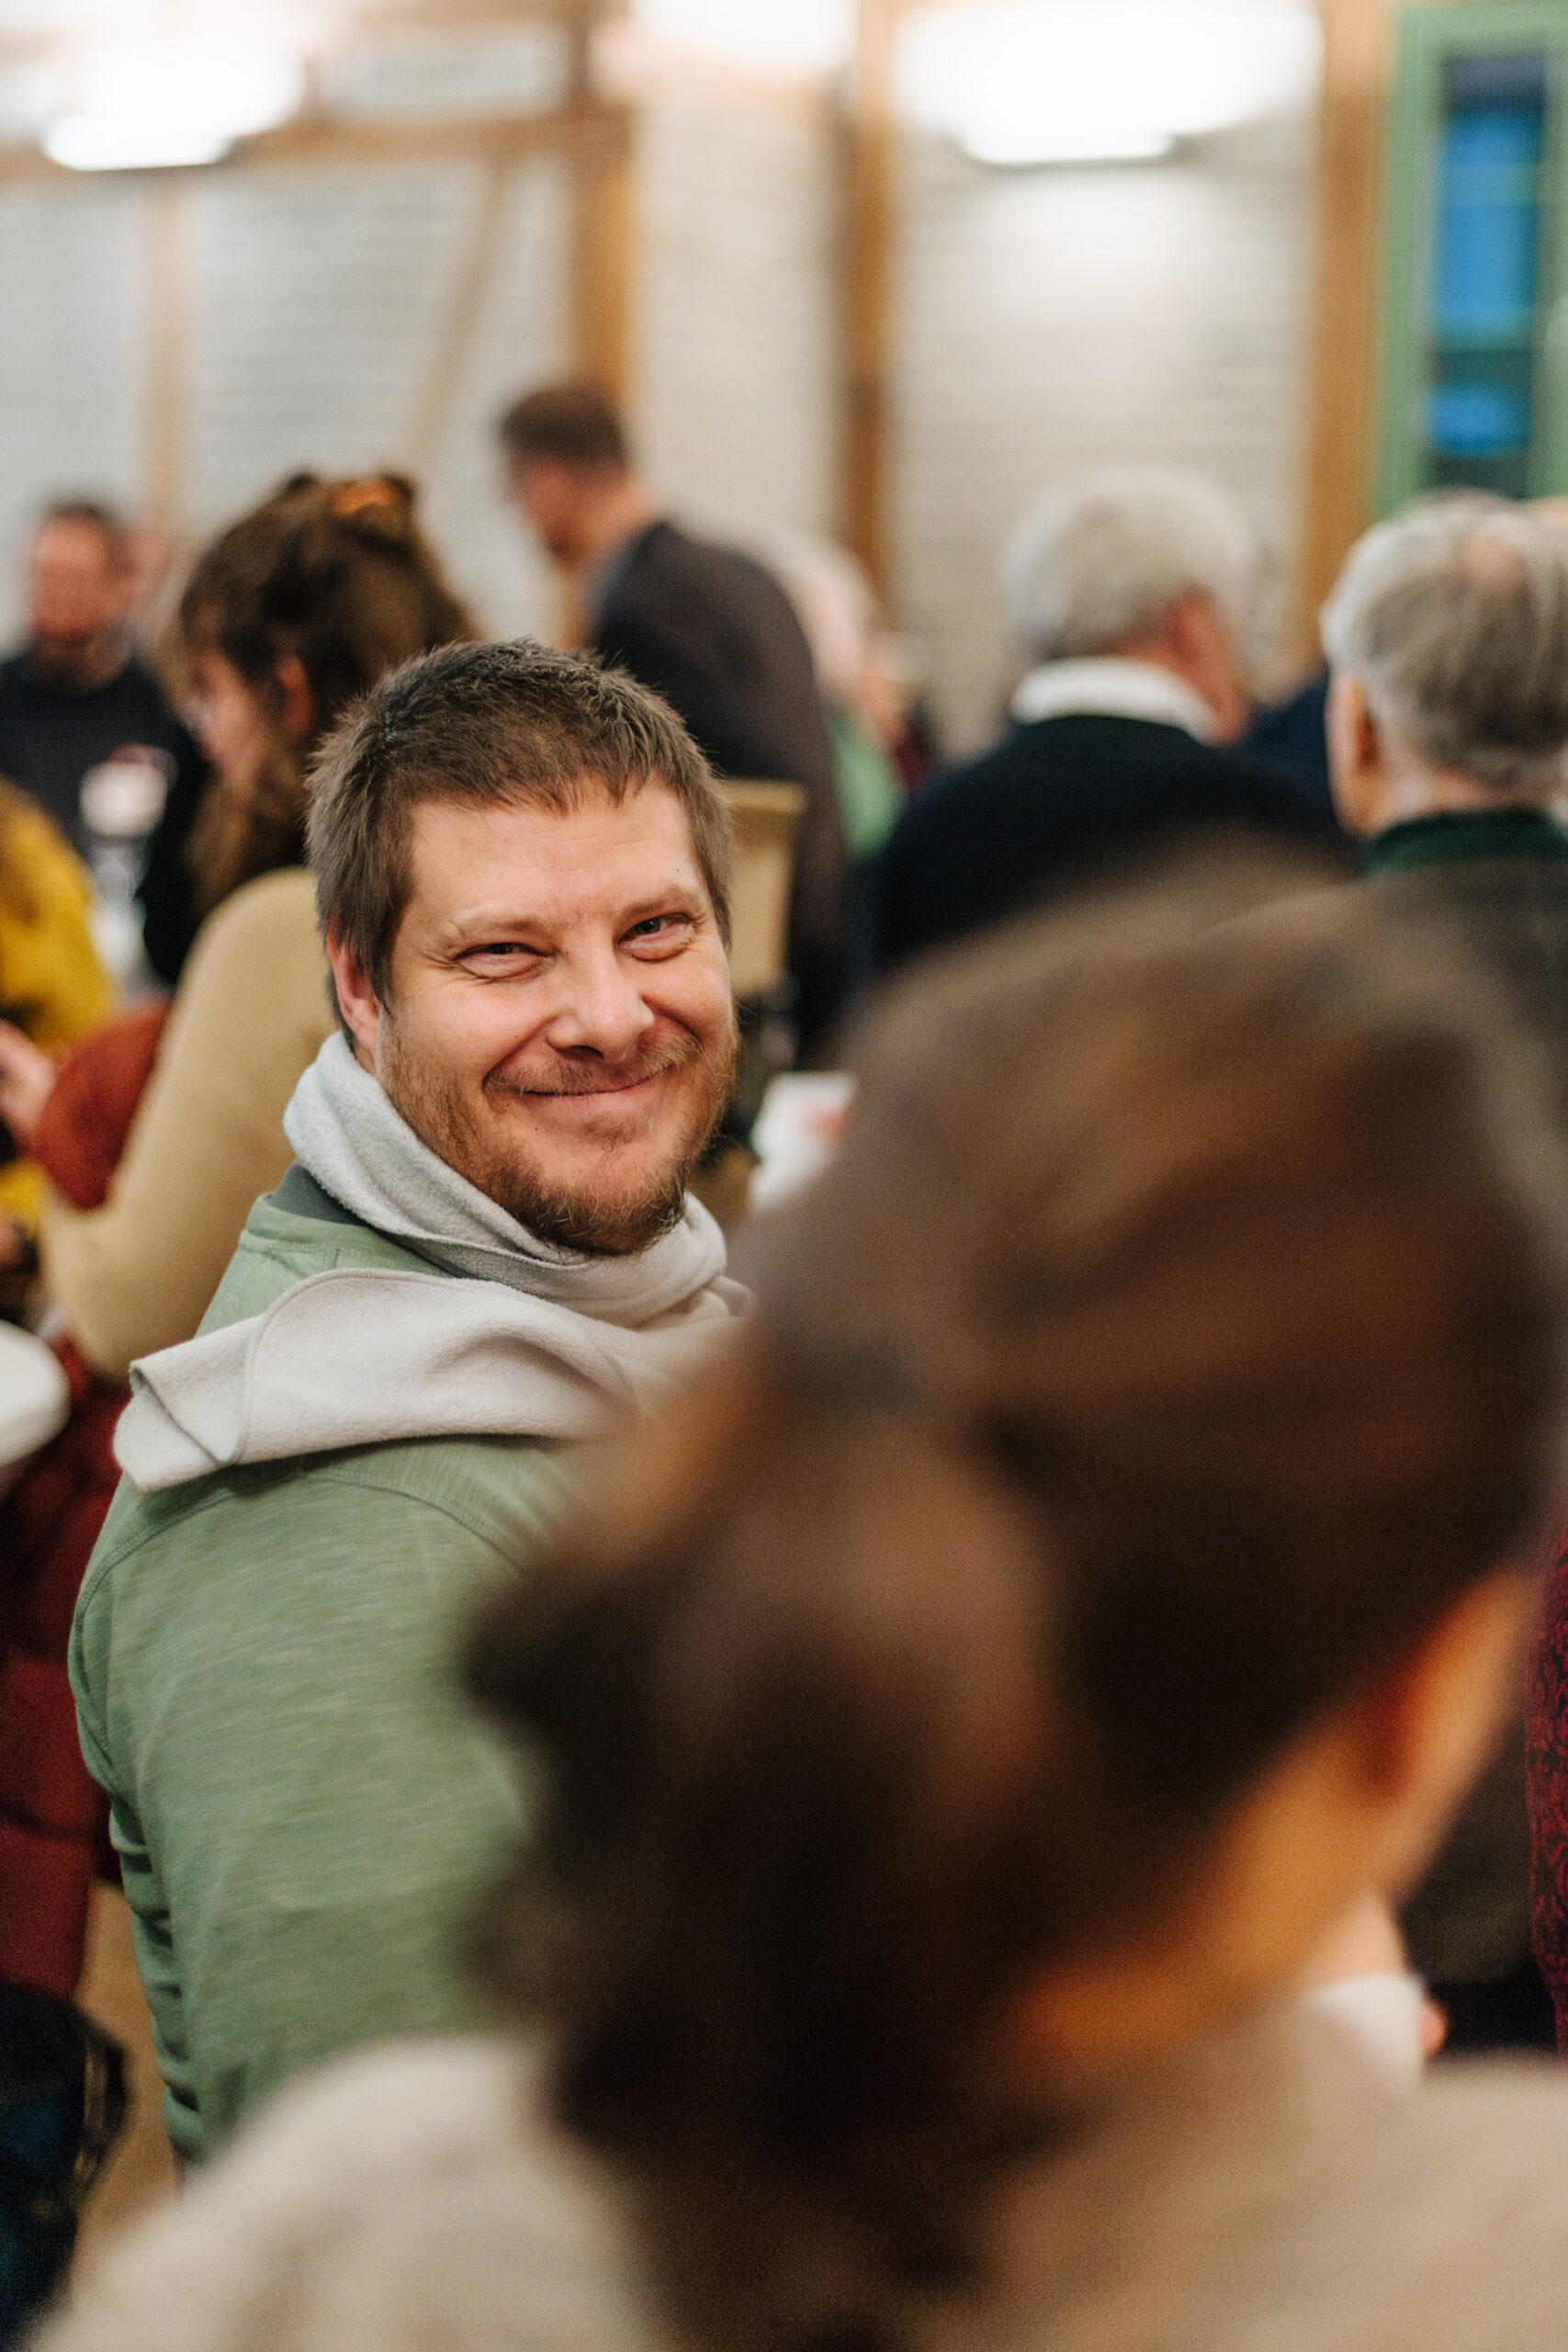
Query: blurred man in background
{"x": 1448, "y": 732}
{"x": 705, "y": 627}
{"x": 77, "y": 695}
{"x": 1129, "y": 593}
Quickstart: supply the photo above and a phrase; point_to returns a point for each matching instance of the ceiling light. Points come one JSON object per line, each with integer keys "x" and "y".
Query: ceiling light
{"x": 173, "y": 103}
{"x": 1092, "y": 81}
{"x": 770, "y": 36}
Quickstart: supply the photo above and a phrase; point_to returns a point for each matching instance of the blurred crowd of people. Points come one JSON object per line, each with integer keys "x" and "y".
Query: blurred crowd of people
{"x": 941, "y": 1782}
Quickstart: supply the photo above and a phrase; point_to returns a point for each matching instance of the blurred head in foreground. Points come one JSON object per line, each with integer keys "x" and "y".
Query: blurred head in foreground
{"x": 1448, "y": 638}
{"x": 289, "y": 616}
{"x": 1102, "y": 1563}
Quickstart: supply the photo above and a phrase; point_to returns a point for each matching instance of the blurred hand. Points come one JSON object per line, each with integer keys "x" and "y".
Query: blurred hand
{"x": 26, "y": 1082}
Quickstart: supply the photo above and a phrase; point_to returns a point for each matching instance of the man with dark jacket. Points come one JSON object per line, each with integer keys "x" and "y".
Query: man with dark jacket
{"x": 76, "y": 695}
{"x": 705, "y": 627}
{"x": 1447, "y": 734}
{"x": 1128, "y": 592}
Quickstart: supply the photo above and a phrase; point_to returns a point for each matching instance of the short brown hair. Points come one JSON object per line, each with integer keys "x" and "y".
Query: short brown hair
{"x": 572, "y": 424}
{"x": 1180, "y": 1331}
{"x": 516, "y": 724}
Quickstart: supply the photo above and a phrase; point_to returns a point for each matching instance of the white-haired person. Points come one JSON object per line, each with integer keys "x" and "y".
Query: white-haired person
{"x": 969, "y": 1710}
{"x": 1447, "y": 636}
{"x": 1130, "y": 592}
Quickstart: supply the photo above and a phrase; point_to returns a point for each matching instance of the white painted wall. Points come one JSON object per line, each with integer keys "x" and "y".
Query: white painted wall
{"x": 1052, "y": 320}
{"x": 734, "y": 395}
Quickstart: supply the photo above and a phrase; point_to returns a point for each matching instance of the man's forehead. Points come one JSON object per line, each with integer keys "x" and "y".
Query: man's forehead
{"x": 515, "y": 850}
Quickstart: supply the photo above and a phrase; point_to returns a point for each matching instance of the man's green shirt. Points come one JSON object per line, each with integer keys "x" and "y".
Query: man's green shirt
{"x": 264, "y": 1663}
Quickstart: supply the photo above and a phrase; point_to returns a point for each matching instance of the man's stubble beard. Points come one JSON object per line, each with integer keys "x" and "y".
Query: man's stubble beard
{"x": 580, "y": 1219}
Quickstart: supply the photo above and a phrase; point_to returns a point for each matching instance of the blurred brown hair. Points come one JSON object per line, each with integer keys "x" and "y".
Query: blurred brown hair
{"x": 339, "y": 575}
{"x": 1180, "y": 1330}
{"x": 573, "y": 425}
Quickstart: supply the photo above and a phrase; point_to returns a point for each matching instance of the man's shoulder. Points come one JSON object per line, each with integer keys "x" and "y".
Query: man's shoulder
{"x": 1107, "y": 768}
{"x": 669, "y": 560}
{"x": 498, "y": 1494}
{"x": 282, "y": 1246}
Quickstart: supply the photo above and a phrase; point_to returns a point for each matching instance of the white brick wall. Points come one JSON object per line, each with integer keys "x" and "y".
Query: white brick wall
{"x": 733, "y": 368}
{"x": 71, "y": 355}
{"x": 1056, "y": 319}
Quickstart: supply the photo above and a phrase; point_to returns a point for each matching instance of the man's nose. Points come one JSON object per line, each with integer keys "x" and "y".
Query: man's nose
{"x": 602, "y": 1008}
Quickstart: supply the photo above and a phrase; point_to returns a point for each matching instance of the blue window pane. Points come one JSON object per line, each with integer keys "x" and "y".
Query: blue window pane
{"x": 1488, "y": 226}
{"x": 1476, "y": 421}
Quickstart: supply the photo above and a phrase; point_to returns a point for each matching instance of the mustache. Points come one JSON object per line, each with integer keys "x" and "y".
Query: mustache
{"x": 565, "y": 1077}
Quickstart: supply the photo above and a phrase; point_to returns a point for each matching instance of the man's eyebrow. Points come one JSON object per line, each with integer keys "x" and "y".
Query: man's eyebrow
{"x": 480, "y": 922}
{"x": 684, "y": 896}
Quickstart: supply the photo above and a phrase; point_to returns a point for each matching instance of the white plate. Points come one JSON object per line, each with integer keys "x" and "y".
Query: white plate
{"x": 35, "y": 1399}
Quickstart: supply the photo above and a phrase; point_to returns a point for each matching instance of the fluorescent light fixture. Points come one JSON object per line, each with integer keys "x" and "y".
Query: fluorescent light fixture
{"x": 161, "y": 103}
{"x": 1100, "y": 81}
{"x": 795, "y": 37}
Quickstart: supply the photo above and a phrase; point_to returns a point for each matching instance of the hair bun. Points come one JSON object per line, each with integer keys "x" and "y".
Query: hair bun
{"x": 378, "y": 499}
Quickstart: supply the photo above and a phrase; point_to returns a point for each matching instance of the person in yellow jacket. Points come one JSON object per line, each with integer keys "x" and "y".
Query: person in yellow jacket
{"x": 54, "y": 985}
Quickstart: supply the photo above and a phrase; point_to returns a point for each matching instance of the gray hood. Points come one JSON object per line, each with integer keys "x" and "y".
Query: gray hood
{"x": 505, "y": 1335}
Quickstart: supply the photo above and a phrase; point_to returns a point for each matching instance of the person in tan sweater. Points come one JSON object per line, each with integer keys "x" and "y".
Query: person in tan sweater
{"x": 250, "y": 1015}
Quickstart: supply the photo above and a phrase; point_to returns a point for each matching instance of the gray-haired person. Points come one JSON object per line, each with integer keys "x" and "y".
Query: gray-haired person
{"x": 1129, "y": 590}
{"x": 1448, "y": 731}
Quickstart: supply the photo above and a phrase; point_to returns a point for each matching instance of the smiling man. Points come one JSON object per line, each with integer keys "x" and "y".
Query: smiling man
{"x": 484, "y": 1252}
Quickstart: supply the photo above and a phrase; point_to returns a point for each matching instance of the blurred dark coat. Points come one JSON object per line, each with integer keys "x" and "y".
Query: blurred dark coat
{"x": 715, "y": 634}
{"x": 1054, "y": 804}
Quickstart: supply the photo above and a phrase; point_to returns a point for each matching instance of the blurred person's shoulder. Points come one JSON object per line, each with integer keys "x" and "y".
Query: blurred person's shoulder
{"x": 264, "y": 941}
{"x": 280, "y": 905}
{"x": 415, "y": 2196}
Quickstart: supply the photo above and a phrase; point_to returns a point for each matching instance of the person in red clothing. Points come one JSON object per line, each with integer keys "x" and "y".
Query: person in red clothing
{"x": 1545, "y": 1775}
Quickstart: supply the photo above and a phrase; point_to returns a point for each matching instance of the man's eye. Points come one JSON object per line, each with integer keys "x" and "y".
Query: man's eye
{"x": 661, "y": 928}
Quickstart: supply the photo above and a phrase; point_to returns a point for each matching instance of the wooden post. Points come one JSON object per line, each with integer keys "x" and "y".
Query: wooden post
{"x": 1344, "y": 316}
{"x": 868, "y": 231}
{"x": 601, "y": 233}
{"x": 167, "y": 336}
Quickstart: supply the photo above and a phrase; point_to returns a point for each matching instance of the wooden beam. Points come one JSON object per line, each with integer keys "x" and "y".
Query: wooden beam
{"x": 868, "y": 234}
{"x": 1344, "y": 304}
{"x": 602, "y": 266}
{"x": 167, "y": 325}
{"x": 586, "y": 126}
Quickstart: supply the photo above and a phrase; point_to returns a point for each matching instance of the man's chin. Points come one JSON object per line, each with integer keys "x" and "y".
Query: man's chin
{"x": 599, "y": 1224}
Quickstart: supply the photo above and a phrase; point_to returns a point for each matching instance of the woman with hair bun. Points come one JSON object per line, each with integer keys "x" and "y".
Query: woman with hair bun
{"x": 1099, "y": 1570}
{"x": 288, "y": 617}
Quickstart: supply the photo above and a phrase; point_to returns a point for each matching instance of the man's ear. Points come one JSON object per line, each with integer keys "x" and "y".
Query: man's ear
{"x": 1358, "y": 765}
{"x": 1206, "y": 652}
{"x": 357, "y": 1000}
{"x": 1423, "y": 1732}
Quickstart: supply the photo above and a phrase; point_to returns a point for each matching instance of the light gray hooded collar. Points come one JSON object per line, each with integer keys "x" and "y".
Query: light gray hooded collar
{"x": 511, "y": 1337}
